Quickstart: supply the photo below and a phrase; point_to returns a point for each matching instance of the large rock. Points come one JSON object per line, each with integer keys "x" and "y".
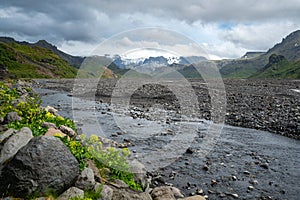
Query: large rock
{"x": 139, "y": 171}
{"x": 21, "y": 87}
{"x": 197, "y": 197}
{"x": 86, "y": 180}
{"x": 6, "y": 134}
{"x": 48, "y": 125}
{"x": 44, "y": 165}
{"x": 91, "y": 164}
{"x": 52, "y": 110}
{"x": 166, "y": 193}
{"x": 126, "y": 194}
{"x": 53, "y": 131}
{"x": 106, "y": 193}
{"x": 71, "y": 193}
{"x": 14, "y": 143}
{"x": 11, "y": 117}
{"x": 67, "y": 130}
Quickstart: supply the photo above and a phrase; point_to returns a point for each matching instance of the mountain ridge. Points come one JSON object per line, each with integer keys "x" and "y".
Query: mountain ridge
{"x": 289, "y": 47}
{"x": 22, "y": 61}
{"x": 73, "y": 60}
{"x": 42, "y": 59}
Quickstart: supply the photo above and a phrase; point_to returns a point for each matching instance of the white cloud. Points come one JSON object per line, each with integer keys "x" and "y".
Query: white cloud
{"x": 259, "y": 36}
{"x": 228, "y": 27}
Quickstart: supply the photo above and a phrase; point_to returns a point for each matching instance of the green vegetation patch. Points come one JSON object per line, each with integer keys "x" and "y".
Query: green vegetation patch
{"x": 33, "y": 116}
{"x": 34, "y": 62}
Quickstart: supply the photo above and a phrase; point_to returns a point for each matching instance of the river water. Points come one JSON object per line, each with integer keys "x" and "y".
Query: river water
{"x": 193, "y": 154}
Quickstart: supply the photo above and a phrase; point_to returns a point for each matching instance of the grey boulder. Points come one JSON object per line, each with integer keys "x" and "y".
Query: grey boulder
{"x": 106, "y": 193}
{"x": 127, "y": 194}
{"x": 166, "y": 192}
{"x": 67, "y": 130}
{"x": 139, "y": 171}
{"x": 7, "y": 134}
{"x": 86, "y": 180}
{"x": 72, "y": 192}
{"x": 14, "y": 143}
{"x": 43, "y": 166}
{"x": 11, "y": 117}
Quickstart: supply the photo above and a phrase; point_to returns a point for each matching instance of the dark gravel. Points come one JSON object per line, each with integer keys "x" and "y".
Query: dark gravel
{"x": 270, "y": 105}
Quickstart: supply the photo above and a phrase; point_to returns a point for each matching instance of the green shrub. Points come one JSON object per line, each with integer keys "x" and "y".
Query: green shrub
{"x": 33, "y": 116}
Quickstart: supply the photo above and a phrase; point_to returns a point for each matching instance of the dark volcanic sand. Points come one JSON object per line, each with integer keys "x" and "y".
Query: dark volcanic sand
{"x": 249, "y": 163}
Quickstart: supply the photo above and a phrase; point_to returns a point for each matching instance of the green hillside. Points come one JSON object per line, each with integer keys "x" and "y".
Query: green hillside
{"x": 22, "y": 61}
{"x": 279, "y": 67}
{"x": 251, "y": 66}
{"x": 243, "y": 68}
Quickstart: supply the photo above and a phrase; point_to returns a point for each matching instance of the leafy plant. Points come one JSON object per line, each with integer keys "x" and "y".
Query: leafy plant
{"x": 113, "y": 159}
{"x": 89, "y": 195}
{"x": 80, "y": 198}
{"x": 33, "y": 116}
{"x": 79, "y": 150}
{"x": 92, "y": 194}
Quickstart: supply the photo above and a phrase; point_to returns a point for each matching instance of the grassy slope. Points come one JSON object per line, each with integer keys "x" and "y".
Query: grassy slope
{"x": 34, "y": 62}
{"x": 284, "y": 69}
{"x": 243, "y": 68}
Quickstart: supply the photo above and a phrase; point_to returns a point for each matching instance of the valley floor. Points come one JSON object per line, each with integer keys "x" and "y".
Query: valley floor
{"x": 270, "y": 105}
{"x": 187, "y": 151}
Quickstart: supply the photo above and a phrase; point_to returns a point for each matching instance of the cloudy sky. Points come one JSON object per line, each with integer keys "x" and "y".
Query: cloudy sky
{"x": 224, "y": 29}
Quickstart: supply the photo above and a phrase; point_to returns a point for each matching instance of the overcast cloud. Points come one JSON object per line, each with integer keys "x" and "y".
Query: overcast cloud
{"x": 224, "y": 29}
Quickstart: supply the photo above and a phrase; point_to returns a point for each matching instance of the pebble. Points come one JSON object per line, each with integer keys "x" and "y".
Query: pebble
{"x": 189, "y": 151}
{"x": 235, "y": 195}
{"x": 234, "y": 178}
{"x": 213, "y": 182}
{"x": 120, "y": 132}
{"x": 265, "y": 165}
{"x": 200, "y": 192}
{"x": 246, "y": 172}
{"x": 222, "y": 195}
{"x": 271, "y": 182}
{"x": 127, "y": 140}
{"x": 205, "y": 167}
{"x": 250, "y": 187}
{"x": 159, "y": 179}
{"x": 254, "y": 182}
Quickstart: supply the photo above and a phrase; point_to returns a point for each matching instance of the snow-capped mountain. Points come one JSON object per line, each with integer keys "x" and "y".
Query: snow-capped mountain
{"x": 154, "y": 62}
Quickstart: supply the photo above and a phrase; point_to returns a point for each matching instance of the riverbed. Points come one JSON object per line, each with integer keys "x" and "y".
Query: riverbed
{"x": 191, "y": 152}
